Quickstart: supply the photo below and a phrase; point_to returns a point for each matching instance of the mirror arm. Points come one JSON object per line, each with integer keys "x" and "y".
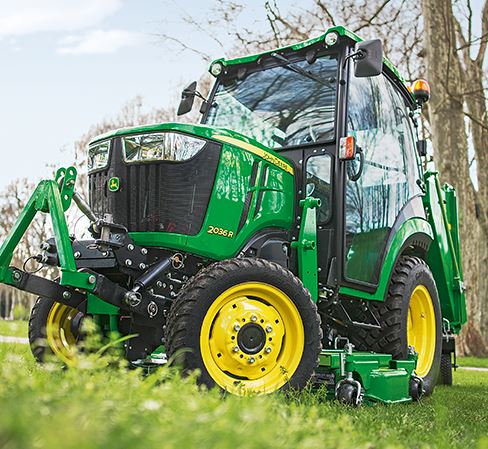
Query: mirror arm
{"x": 356, "y": 56}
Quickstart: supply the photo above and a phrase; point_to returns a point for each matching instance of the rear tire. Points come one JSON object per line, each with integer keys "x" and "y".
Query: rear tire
{"x": 248, "y": 325}
{"x": 411, "y": 287}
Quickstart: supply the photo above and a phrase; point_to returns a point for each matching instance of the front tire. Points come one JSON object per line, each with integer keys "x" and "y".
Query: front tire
{"x": 248, "y": 325}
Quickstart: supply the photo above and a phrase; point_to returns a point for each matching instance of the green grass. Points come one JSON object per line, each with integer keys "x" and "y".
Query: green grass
{"x": 479, "y": 362}
{"x": 15, "y": 328}
{"x": 111, "y": 407}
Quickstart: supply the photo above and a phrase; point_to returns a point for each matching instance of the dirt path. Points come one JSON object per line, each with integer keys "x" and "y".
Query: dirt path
{"x": 21, "y": 340}
{"x": 473, "y": 368}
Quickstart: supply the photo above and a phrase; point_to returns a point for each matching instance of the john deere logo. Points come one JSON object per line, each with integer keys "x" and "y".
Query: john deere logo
{"x": 114, "y": 184}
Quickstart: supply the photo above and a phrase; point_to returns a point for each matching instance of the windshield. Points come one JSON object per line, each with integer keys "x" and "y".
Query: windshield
{"x": 291, "y": 104}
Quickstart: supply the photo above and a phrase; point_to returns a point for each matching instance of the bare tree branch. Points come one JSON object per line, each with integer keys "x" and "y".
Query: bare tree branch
{"x": 370, "y": 20}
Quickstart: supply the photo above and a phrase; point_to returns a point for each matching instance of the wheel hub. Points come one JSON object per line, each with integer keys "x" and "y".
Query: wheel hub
{"x": 251, "y": 338}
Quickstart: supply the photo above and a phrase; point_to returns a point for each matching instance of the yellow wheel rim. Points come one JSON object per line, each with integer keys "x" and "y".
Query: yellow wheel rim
{"x": 421, "y": 329}
{"x": 252, "y": 339}
{"x": 59, "y": 332}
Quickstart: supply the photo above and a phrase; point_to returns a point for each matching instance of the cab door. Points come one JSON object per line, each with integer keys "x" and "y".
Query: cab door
{"x": 378, "y": 119}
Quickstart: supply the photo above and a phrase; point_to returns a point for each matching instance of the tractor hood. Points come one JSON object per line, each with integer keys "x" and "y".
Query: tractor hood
{"x": 222, "y": 135}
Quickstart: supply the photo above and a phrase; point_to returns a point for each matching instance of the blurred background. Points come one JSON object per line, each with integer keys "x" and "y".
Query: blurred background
{"x": 71, "y": 70}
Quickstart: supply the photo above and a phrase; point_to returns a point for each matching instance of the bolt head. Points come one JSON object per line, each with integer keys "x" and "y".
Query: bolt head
{"x": 142, "y": 266}
{"x": 77, "y": 255}
{"x": 66, "y": 295}
{"x": 130, "y": 247}
{"x": 267, "y": 350}
{"x": 251, "y": 359}
{"x": 254, "y": 318}
{"x": 16, "y": 275}
{"x": 92, "y": 279}
{"x": 269, "y": 329}
{"x": 143, "y": 251}
{"x": 235, "y": 349}
{"x": 159, "y": 284}
{"x": 237, "y": 328}
{"x": 128, "y": 262}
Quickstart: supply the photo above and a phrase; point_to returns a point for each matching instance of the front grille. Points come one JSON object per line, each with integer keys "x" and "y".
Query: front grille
{"x": 158, "y": 196}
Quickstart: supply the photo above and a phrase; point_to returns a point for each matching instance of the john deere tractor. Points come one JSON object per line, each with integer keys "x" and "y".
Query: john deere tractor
{"x": 299, "y": 234}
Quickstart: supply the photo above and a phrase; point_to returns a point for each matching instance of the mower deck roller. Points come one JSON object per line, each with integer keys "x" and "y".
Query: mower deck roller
{"x": 299, "y": 234}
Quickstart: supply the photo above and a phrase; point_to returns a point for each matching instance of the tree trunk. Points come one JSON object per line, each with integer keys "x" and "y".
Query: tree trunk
{"x": 447, "y": 119}
{"x": 476, "y": 108}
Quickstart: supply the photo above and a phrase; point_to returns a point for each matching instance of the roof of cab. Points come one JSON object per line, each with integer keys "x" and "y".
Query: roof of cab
{"x": 340, "y": 30}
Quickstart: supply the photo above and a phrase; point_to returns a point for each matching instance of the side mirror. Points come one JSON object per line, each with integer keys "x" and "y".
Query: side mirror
{"x": 187, "y": 99}
{"x": 368, "y": 58}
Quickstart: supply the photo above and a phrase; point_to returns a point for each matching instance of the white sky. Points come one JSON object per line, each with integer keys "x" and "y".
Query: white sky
{"x": 67, "y": 64}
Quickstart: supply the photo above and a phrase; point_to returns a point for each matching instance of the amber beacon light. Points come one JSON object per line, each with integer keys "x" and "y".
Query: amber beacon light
{"x": 421, "y": 91}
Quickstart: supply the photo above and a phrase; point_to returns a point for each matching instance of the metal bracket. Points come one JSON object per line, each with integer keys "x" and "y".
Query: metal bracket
{"x": 306, "y": 246}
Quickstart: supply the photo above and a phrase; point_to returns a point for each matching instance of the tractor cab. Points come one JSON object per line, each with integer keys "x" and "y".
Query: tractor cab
{"x": 343, "y": 116}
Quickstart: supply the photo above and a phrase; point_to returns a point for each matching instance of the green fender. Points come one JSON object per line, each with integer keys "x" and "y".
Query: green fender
{"x": 412, "y": 227}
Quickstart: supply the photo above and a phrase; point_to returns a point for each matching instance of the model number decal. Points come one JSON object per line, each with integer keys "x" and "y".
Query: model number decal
{"x": 215, "y": 230}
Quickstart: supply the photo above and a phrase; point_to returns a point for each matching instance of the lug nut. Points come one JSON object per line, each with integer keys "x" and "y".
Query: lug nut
{"x": 251, "y": 360}
{"x": 269, "y": 329}
{"x": 267, "y": 350}
{"x": 254, "y": 318}
{"x": 237, "y": 328}
{"x": 235, "y": 349}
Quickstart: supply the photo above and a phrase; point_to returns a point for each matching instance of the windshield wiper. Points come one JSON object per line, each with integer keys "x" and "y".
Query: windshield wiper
{"x": 299, "y": 70}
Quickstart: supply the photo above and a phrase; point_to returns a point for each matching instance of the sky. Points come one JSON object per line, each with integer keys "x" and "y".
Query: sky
{"x": 68, "y": 64}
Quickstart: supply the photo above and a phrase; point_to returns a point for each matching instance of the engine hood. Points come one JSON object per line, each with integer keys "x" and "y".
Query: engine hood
{"x": 222, "y": 135}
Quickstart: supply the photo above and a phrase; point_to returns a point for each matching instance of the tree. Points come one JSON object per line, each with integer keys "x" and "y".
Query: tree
{"x": 14, "y": 198}
{"x": 457, "y": 84}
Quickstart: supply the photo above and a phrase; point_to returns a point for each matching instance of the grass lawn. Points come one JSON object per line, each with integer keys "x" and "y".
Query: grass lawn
{"x": 473, "y": 361}
{"x": 98, "y": 407}
{"x": 15, "y": 328}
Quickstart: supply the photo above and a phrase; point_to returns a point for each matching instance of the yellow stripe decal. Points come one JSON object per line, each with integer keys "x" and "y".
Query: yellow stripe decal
{"x": 267, "y": 156}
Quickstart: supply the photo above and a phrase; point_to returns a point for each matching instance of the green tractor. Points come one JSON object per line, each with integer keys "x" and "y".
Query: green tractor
{"x": 298, "y": 234}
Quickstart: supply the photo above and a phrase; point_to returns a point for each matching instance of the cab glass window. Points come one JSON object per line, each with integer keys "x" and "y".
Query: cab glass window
{"x": 319, "y": 174}
{"x": 288, "y": 104}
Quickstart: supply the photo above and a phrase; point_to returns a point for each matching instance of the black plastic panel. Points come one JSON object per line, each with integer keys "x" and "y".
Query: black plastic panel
{"x": 162, "y": 196}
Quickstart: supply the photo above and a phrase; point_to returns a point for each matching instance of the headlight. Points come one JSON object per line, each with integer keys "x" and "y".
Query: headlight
{"x": 98, "y": 155}
{"x": 168, "y": 146}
